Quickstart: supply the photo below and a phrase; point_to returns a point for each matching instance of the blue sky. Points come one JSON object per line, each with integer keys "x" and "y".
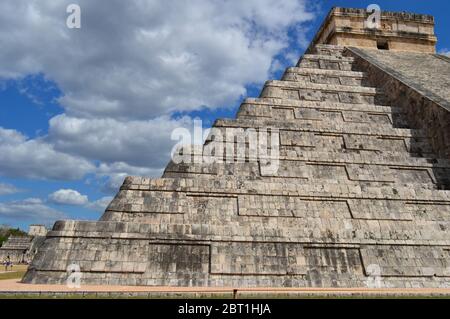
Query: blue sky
{"x": 81, "y": 109}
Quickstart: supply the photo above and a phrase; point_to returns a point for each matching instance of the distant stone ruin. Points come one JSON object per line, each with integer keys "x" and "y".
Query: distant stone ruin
{"x": 21, "y": 249}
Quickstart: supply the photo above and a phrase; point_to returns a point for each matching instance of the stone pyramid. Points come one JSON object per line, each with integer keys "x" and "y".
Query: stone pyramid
{"x": 360, "y": 198}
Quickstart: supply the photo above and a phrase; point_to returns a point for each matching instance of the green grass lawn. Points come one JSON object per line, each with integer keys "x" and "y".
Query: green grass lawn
{"x": 17, "y": 272}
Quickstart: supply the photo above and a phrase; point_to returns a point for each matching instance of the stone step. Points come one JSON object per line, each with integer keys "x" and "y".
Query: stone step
{"x": 232, "y": 185}
{"x": 314, "y": 151}
{"x": 320, "y": 173}
{"x": 242, "y": 206}
{"x": 326, "y": 62}
{"x": 263, "y": 259}
{"x": 17, "y": 241}
{"x": 326, "y": 117}
{"x": 11, "y": 242}
{"x": 328, "y": 58}
{"x": 262, "y": 124}
{"x": 325, "y": 49}
{"x": 373, "y": 140}
{"x": 238, "y": 210}
{"x": 284, "y": 109}
{"x": 15, "y": 247}
{"x": 323, "y": 115}
{"x": 307, "y": 146}
{"x": 322, "y": 92}
{"x": 324, "y": 87}
{"x": 360, "y": 142}
{"x": 295, "y": 145}
{"x": 262, "y": 107}
{"x": 352, "y": 143}
{"x": 326, "y": 72}
{"x": 321, "y": 76}
{"x": 410, "y": 169}
{"x": 401, "y": 150}
{"x": 298, "y": 244}
{"x": 339, "y": 113}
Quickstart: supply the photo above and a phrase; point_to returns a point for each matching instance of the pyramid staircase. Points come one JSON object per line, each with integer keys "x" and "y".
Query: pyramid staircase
{"x": 359, "y": 198}
{"x": 16, "y": 248}
{"x": 17, "y": 242}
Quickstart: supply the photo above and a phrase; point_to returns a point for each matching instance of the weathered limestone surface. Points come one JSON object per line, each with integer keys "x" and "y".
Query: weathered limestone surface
{"x": 16, "y": 248}
{"x": 398, "y": 31}
{"x": 417, "y": 82}
{"x": 361, "y": 195}
{"x": 21, "y": 249}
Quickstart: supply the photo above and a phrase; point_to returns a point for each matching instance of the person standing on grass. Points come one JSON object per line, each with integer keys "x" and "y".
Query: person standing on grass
{"x": 8, "y": 263}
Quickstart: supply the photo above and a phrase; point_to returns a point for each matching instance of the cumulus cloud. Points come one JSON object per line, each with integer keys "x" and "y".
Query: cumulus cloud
{"x": 139, "y": 59}
{"x": 445, "y": 52}
{"x": 110, "y": 140}
{"x": 31, "y": 209}
{"x": 128, "y": 69}
{"x": 68, "y": 197}
{"x": 114, "y": 174}
{"x": 101, "y": 204}
{"x": 74, "y": 198}
{"x": 34, "y": 158}
{"x": 7, "y": 189}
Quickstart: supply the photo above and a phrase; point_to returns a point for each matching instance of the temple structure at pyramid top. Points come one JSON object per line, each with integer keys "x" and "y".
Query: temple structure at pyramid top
{"x": 337, "y": 175}
{"x": 384, "y": 30}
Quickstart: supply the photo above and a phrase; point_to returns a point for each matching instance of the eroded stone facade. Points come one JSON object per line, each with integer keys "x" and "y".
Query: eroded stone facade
{"x": 360, "y": 200}
{"x": 398, "y": 31}
{"x": 21, "y": 249}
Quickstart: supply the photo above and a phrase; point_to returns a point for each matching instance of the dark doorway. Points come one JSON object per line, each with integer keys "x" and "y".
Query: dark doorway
{"x": 382, "y": 45}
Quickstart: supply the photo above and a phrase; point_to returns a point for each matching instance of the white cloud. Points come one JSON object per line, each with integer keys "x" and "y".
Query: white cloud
{"x": 445, "y": 52}
{"x": 147, "y": 58}
{"x": 124, "y": 73}
{"x": 101, "y": 204}
{"x": 7, "y": 189}
{"x": 115, "y": 174}
{"x": 35, "y": 158}
{"x": 110, "y": 140}
{"x": 74, "y": 198}
{"x": 32, "y": 209}
{"x": 122, "y": 147}
{"x": 68, "y": 197}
